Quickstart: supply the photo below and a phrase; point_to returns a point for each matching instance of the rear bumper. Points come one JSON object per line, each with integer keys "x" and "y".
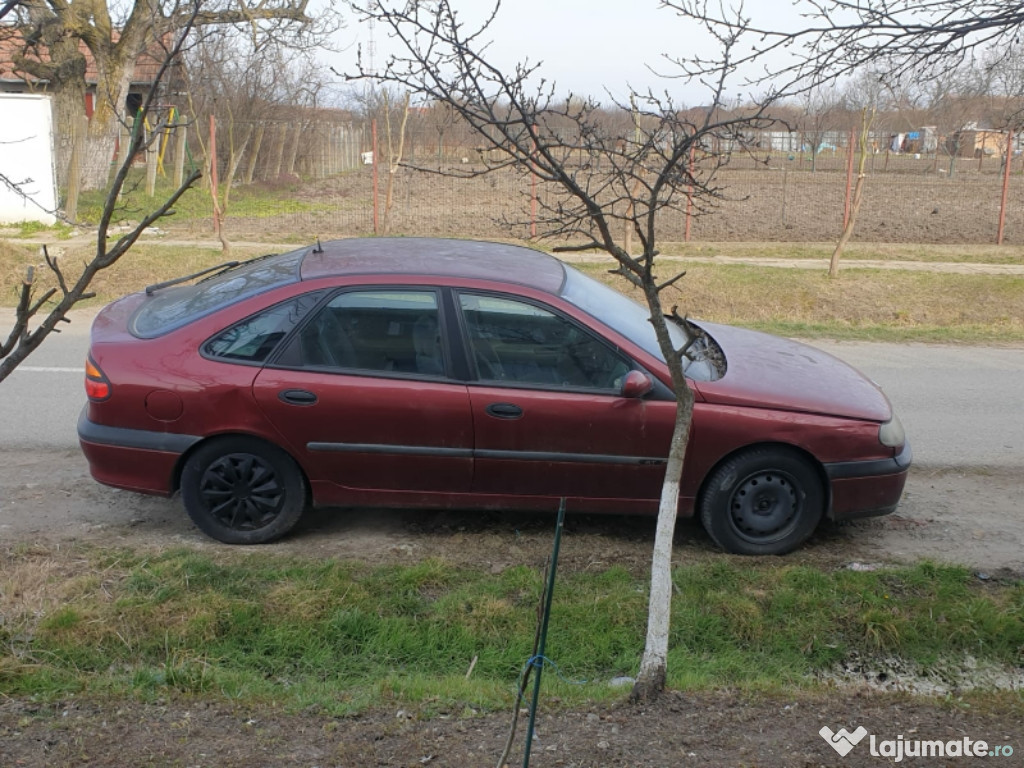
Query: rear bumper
{"x": 867, "y": 488}
{"x": 134, "y": 459}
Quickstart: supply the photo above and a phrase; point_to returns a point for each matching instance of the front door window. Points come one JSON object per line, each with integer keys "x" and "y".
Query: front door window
{"x": 517, "y": 343}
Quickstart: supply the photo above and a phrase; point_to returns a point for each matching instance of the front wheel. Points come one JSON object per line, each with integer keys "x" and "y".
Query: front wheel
{"x": 242, "y": 491}
{"x": 764, "y": 501}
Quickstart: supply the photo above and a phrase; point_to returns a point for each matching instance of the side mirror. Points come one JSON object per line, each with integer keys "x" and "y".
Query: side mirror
{"x": 636, "y": 384}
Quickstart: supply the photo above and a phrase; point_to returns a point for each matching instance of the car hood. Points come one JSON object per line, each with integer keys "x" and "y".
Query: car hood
{"x": 766, "y": 371}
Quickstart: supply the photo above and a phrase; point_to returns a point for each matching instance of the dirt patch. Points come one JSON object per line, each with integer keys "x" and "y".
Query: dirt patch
{"x": 783, "y": 202}
{"x": 719, "y": 729}
{"x": 970, "y": 518}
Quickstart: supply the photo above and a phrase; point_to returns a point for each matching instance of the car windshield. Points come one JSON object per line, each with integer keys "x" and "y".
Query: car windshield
{"x": 633, "y": 321}
{"x": 172, "y": 308}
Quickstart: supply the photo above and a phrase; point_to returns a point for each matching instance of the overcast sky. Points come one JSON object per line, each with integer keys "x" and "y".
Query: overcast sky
{"x": 586, "y": 46}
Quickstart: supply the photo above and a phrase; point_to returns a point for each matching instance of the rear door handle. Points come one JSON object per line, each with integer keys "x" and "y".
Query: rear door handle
{"x": 297, "y": 397}
{"x": 504, "y": 410}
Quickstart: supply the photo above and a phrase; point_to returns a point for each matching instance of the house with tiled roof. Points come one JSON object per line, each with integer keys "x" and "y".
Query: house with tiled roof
{"x": 15, "y": 80}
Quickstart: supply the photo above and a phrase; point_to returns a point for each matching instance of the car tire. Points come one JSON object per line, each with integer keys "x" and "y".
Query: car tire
{"x": 763, "y": 501}
{"x": 239, "y": 490}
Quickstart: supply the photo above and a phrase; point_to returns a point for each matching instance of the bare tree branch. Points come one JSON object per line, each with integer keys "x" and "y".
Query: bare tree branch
{"x": 598, "y": 182}
{"x": 21, "y": 341}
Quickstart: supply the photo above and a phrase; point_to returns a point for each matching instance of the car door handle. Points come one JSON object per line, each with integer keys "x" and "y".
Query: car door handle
{"x": 297, "y": 397}
{"x": 504, "y": 410}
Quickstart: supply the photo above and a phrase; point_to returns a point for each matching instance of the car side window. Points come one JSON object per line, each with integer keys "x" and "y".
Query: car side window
{"x": 253, "y": 339}
{"x": 516, "y": 342}
{"x": 376, "y": 330}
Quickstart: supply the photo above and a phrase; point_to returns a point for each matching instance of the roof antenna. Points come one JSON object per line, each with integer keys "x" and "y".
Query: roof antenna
{"x": 319, "y": 248}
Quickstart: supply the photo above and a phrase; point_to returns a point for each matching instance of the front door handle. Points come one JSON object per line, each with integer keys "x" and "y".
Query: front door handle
{"x": 504, "y": 410}
{"x": 297, "y": 397}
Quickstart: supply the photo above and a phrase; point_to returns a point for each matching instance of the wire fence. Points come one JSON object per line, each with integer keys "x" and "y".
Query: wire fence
{"x": 312, "y": 178}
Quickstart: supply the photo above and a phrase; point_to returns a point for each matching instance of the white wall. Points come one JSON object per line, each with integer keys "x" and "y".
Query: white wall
{"x": 26, "y": 155}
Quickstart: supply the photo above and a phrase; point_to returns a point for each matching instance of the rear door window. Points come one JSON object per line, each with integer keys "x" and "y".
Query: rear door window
{"x": 376, "y": 331}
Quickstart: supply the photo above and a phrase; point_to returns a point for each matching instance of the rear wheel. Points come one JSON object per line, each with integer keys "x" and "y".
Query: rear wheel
{"x": 764, "y": 501}
{"x": 243, "y": 491}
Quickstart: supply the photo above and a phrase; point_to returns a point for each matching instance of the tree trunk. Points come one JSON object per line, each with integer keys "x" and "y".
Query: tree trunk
{"x": 254, "y": 153}
{"x": 650, "y": 679}
{"x": 68, "y": 110}
{"x": 858, "y": 191}
{"x": 114, "y": 79}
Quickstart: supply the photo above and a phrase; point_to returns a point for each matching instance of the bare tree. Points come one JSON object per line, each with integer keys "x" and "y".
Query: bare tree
{"x": 866, "y": 121}
{"x": 243, "y": 85}
{"x": 822, "y": 116}
{"x": 909, "y": 39}
{"x": 597, "y": 181}
{"x": 53, "y": 35}
{"x": 396, "y": 147}
{"x": 23, "y": 339}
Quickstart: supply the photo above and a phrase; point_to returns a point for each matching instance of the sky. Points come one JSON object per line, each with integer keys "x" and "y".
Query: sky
{"x": 586, "y": 46}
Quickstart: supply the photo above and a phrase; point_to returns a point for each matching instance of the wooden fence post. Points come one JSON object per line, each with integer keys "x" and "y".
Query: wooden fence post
{"x": 152, "y": 160}
{"x": 180, "y": 145}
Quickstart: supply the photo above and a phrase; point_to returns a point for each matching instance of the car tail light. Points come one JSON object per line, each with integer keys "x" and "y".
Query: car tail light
{"x": 97, "y": 385}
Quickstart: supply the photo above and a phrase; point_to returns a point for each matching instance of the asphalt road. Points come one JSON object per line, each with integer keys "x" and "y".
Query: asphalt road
{"x": 961, "y": 405}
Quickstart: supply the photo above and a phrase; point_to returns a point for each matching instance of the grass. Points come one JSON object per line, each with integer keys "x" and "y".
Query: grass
{"x": 249, "y": 201}
{"x": 342, "y": 636}
{"x": 862, "y": 303}
{"x": 953, "y": 254}
{"x": 868, "y": 304}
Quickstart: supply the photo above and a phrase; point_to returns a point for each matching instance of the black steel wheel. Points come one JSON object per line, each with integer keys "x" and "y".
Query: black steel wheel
{"x": 242, "y": 491}
{"x": 764, "y": 501}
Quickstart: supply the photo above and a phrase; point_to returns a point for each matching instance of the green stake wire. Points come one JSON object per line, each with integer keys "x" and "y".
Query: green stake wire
{"x": 538, "y": 659}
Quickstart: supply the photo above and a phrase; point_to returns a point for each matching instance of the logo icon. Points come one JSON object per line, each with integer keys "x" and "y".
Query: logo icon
{"x": 842, "y": 741}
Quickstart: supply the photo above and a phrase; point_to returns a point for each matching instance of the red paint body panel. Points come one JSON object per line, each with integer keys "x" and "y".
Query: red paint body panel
{"x": 768, "y": 372}
{"x": 374, "y": 411}
{"x": 150, "y": 472}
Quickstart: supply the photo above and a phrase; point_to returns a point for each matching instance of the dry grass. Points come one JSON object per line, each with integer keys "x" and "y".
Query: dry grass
{"x": 861, "y": 303}
{"x": 871, "y": 302}
{"x": 954, "y": 254}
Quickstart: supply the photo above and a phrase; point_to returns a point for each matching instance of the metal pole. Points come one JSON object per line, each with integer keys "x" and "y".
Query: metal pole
{"x": 1006, "y": 187}
{"x": 538, "y": 659}
{"x": 849, "y": 181}
{"x": 213, "y": 172}
{"x": 376, "y": 213}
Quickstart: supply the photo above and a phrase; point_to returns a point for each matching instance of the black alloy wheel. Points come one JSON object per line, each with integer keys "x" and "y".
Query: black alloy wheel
{"x": 242, "y": 491}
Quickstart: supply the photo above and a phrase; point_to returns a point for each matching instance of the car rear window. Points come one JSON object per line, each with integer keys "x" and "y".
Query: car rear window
{"x": 172, "y": 308}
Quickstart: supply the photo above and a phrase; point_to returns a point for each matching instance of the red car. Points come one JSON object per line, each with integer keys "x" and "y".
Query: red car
{"x": 458, "y": 374}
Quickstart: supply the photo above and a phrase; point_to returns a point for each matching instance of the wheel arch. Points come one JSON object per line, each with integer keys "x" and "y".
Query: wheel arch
{"x": 801, "y": 453}
{"x": 183, "y": 459}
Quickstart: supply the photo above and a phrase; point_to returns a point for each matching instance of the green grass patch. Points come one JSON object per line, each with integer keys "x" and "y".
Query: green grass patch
{"x": 341, "y": 636}
{"x": 24, "y": 229}
{"x": 249, "y": 201}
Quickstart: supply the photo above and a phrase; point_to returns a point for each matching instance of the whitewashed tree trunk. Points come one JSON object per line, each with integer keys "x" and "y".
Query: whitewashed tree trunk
{"x": 654, "y": 664}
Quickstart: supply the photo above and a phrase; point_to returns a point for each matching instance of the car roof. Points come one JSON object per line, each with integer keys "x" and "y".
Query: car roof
{"x": 435, "y": 257}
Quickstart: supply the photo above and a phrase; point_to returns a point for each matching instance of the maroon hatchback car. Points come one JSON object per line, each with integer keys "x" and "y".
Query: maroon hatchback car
{"x": 457, "y": 374}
